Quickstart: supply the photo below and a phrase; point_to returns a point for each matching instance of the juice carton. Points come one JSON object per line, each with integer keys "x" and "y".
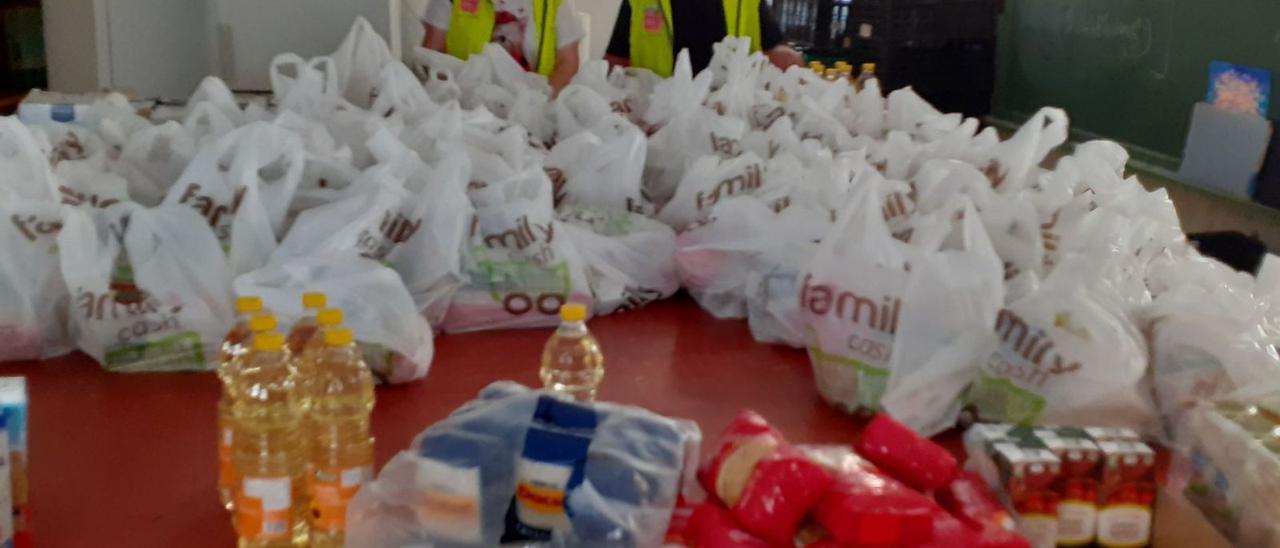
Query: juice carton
{"x": 13, "y": 404}
{"x": 1077, "y": 489}
{"x": 1127, "y": 493}
{"x": 979, "y": 444}
{"x": 1027, "y": 476}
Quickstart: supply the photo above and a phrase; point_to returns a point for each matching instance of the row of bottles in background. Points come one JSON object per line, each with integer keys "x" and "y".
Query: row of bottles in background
{"x": 844, "y": 71}
{"x": 294, "y": 435}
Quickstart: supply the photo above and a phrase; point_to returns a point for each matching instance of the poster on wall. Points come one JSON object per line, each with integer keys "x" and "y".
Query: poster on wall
{"x": 1238, "y": 88}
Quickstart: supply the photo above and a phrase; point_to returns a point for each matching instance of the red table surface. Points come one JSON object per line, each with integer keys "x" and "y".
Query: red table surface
{"x": 130, "y": 460}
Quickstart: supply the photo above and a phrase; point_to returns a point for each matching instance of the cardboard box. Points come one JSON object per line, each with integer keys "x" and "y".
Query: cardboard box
{"x": 13, "y": 405}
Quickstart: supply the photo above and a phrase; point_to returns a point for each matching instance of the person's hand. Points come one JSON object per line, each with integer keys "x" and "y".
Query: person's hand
{"x": 784, "y": 57}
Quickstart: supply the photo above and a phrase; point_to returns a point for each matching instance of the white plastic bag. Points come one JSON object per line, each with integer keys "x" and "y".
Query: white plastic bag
{"x": 710, "y": 180}
{"x": 860, "y": 294}
{"x": 629, "y": 258}
{"x": 153, "y": 159}
{"x": 33, "y": 296}
{"x": 401, "y": 213}
{"x": 24, "y": 167}
{"x": 88, "y": 183}
{"x": 360, "y": 60}
{"x": 150, "y": 288}
{"x": 600, "y": 168}
{"x": 243, "y": 185}
{"x": 520, "y": 265}
{"x": 1066, "y": 354}
{"x": 395, "y": 340}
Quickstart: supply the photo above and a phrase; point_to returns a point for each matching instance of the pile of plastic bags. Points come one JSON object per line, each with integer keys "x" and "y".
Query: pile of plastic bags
{"x": 929, "y": 267}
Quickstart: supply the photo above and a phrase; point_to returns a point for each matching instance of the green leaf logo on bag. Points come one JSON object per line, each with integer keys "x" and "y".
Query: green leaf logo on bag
{"x": 1013, "y": 381}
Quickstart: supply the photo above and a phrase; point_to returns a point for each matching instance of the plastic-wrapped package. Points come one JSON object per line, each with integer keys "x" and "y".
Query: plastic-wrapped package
{"x": 902, "y": 453}
{"x": 522, "y": 466}
{"x": 712, "y": 526}
{"x": 768, "y": 485}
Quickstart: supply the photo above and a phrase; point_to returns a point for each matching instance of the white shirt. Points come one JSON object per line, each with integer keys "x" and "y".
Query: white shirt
{"x": 514, "y": 23}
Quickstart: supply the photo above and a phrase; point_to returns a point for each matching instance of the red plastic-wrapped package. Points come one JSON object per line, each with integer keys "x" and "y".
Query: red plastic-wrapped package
{"x": 768, "y": 485}
{"x": 712, "y": 526}
{"x": 967, "y": 497}
{"x": 905, "y": 455}
{"x": 867, "y": 508}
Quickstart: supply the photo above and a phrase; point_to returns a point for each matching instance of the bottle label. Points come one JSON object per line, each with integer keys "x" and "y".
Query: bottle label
{"x": 450, "y": 505}
{"x": 263, "y": 508}
{"x": 540, "y": 494}
{"x": 1124, "y": 525}
{"x": 1076, "y": 521}
{"x": 226, "y": 468}
{"x": 1040, "y": 529}
{"x": 331, "y": 491}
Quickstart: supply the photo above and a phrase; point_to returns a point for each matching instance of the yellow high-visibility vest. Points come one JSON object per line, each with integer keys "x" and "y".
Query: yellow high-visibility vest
{"x": 652, "y": 31}
{"x": 471, "y": 27}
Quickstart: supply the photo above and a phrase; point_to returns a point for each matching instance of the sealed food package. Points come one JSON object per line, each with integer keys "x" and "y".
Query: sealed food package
{"x": 150, "y": 288}
{"x": 395, "y": 339}
{"x": 520, "y": 466}
{"x": 34, "y": 303}
{"x": 767, "y": 484}
{"x": 910, "y": 458}
{"x": 868, "y": 507}
{"x": 521, "y": 266}
{"x": 968, "y": 498}
{"x": 1066, "y": 354}
{"x": 712, "y": 526}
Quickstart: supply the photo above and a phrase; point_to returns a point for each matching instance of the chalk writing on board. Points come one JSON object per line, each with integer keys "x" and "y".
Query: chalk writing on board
{"x": 1132, "y": 38}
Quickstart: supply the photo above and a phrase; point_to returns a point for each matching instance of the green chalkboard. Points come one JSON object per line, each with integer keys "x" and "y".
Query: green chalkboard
{"x": 1128, "y": 70}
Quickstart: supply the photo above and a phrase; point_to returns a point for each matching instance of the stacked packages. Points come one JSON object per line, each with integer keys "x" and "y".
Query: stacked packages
{"x": 522, "y": 467}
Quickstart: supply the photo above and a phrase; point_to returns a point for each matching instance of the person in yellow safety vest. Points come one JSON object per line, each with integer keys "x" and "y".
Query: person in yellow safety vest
{"x": 542, "y": 35}
{"x": 649, "y": 33}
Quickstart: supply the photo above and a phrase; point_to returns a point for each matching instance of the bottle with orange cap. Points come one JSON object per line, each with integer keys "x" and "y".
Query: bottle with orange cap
{"x": 571, "y": 360}
{"x": 305, "y": 329}
{"x": 233, "y": 347}
{"x": 267, "y": 450}
{"x": 341, "y": 448}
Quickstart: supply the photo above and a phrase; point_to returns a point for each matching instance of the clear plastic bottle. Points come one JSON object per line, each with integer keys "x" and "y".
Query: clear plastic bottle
{"x": 571, "y": 361}
{"x": 306, "y": 356}
{"x": 868, "y": 73}
{"x": 235, "y": 345}
{"x": 271, "y": 504}
{"x": 306, "y": 328}
{"x": 846, "y": 74}
{"x": 341, "y": 446}
{"x": 831, "y": 75}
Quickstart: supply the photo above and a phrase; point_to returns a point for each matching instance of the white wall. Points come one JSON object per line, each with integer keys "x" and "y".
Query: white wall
{"x": 159, "y": 48}
{"x": 71, "y": 45}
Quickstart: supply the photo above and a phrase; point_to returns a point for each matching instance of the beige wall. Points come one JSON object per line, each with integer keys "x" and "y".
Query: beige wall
{"x": 71, "y": 44}
{"x": 603, "y": 13}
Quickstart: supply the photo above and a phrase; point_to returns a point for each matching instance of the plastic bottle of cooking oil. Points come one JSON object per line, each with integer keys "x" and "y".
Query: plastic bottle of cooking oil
{"x": 306, "y": 357}
{"x": 233, "y": 346}
{"x": 305, "y": 329}
{"x": 341, "y": 446}
{"x": 571, "y": 361}
{"x": 846, "y": 74}
{"x": 271, "y": 503}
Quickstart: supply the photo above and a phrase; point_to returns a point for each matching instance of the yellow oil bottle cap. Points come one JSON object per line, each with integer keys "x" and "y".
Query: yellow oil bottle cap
{"x": 248, "y": 305}
{"x": 268, "y": 342}
{"x": 832, "y": 73}
{"x": 329, "y": 317}
{"x": 338, "y": 336}
{"x": 846, "y": 69}
{"x": 868, "y": 67}
{"x": 314, "y": 301}
{"x": 262, "y": 323}
{"x": 573, "y": 312}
